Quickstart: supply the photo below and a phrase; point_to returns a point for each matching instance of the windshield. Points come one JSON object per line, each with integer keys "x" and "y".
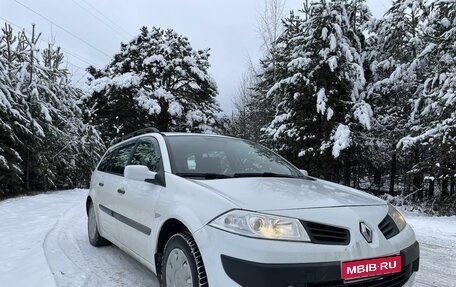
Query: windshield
{"x": 212, "y": 157}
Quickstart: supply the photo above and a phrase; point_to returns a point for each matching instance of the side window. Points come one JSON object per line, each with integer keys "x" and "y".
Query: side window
{"x": 147, "y": 153}
{"x": 120, "y": 158}
{"x": 105, "y": 163}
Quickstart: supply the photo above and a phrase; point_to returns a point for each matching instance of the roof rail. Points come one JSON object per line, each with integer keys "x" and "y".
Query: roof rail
{"x": 140, "y": 132}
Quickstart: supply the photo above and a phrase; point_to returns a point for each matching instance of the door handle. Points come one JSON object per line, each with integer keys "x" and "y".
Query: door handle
{"x": 121, "y": 191}
{"x": 101, "y": 184}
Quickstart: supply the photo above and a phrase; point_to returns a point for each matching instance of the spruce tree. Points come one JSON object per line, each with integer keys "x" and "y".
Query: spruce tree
{"x": 394, "y": 44}
{"x": 10, "y": 160}
{"x": 42, "y": 135}
{"x": 434, "y": 110}
{"x": 320, "y": 96}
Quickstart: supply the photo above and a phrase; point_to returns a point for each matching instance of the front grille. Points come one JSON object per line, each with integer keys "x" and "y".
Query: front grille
{"x": 326, "y": 234}
{"x": 388, "y": 227}
{"x": 395, "y": 280}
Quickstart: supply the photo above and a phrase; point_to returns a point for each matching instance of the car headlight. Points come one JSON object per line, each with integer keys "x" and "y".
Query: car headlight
{"x": 397, "y": 217}
{"x": 257, "y": 225}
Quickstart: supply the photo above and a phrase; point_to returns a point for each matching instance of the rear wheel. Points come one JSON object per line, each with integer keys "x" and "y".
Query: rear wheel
{"x": 182, "y": 265}
{"x": 92, "y": 228}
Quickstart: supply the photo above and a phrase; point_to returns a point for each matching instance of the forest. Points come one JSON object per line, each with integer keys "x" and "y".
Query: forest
{"x": 370, "y": 103}
{"x": 366, "y": 102}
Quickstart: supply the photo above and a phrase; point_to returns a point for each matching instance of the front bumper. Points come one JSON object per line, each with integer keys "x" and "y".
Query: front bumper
{"x": 216, "y": 244}
{"x": 252, "y": 274}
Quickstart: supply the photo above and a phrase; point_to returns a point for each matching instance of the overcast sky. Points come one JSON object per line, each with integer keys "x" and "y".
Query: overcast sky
{"x": 228, "y": 27}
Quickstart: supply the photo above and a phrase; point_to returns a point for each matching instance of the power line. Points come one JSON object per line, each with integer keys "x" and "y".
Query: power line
{"x": 99, "y": 19}
{"x": 77, "y": 56}
{"x": 80, "y": 79}
{"x": 107, "y": 18}
{"x": 63, "y": 29}
{"x": 68, "y": 62}
{"x": 68, "y": 52}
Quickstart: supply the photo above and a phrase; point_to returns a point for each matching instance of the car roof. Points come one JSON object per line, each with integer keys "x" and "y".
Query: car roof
{"x": 166, "y": 134}
{"x": 170, "y": 134}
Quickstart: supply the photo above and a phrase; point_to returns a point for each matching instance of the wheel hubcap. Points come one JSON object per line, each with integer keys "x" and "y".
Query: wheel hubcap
{"x": 92, "y": 223}
{"x": 178, "y": 271}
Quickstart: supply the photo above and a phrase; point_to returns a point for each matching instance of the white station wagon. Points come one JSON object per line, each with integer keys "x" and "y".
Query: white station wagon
{"x": 206, "y": 210}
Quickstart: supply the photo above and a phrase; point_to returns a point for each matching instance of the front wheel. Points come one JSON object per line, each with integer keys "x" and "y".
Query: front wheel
{"x": 182, "y": 265}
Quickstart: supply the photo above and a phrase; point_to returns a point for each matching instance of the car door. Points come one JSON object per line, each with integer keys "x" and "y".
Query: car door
{"x": 138, "y": 202}
{"x": 104, "y": 197}
{"x": 110, "y": 190}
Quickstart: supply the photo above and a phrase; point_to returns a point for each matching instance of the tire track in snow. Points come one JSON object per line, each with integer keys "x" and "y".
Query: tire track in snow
{"x": 74, "y": 262}
{"x": 64, "y": 265}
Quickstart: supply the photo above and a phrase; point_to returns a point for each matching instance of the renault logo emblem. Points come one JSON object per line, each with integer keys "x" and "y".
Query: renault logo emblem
{"x": 366, "y": 231}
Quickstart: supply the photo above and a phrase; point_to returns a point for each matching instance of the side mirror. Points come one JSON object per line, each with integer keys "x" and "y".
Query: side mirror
{"x": 142, "y": 173}
{"x": 304, "y": 172}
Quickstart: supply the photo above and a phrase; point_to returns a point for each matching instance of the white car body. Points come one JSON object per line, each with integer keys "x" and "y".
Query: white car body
{"x": 133, "y": 214}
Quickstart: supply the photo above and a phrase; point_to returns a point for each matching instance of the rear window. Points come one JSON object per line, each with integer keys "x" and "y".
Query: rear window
{"x": 116, "y": 161}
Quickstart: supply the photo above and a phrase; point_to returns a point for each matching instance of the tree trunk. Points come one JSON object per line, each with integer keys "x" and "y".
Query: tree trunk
{"x": 27, "y": 171}
{"x": 163, "y": 119}
{"x": 417, "y": 177}
{"x": 326, "y": 167}
{"x": 431, "y": 189}
{"x": 377, "y": 178}
{"x": 452, "y": 185}
{"x": 393, "y": 170}
{"x": 347, "y": 173}
{"x": 444, "y": 187}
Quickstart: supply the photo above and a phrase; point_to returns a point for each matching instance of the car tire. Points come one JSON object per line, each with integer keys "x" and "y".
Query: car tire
{"x": 181, "y": 250}
{"x": 95, "y": 238}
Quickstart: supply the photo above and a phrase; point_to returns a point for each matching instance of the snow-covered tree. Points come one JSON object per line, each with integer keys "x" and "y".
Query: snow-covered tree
{"x": 434, "y": 111}
{"x": 47, "y": 110}
{"x": 320, "y": 96}
{"x": 393, "y": 46}
{"x": 252, "y": 109}
{"x": 10, "y": 160}
{"x": 436, "y": 101}
{"x": 41, "y": 129}
{"x": 158, "y": 80}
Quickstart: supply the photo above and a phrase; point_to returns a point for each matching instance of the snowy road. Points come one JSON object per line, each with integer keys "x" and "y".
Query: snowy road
{"x": 43, "y": 242}
{"x": 437, "y": 237}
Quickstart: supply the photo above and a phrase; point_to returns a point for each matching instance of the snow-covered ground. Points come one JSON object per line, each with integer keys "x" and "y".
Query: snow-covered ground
{"x": 43, "y": 242}
{"x": 437, "y": 237}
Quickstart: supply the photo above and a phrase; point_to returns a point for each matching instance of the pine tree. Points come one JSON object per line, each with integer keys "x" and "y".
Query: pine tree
{"x": 158, "y": 80}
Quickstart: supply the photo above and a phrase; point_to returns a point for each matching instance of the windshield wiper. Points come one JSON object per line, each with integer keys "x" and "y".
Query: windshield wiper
{"x": 203, "y": 175}
{"x": 264, "y": 174}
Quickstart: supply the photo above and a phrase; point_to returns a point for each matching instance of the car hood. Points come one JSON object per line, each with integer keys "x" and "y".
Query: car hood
{"x": 268, "y": 194}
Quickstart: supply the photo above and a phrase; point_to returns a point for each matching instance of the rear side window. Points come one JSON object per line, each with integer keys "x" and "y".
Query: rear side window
{"x": 119, "y": 159}
{"x": 104, "y": 164}
{"x": 147, "y": 153}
